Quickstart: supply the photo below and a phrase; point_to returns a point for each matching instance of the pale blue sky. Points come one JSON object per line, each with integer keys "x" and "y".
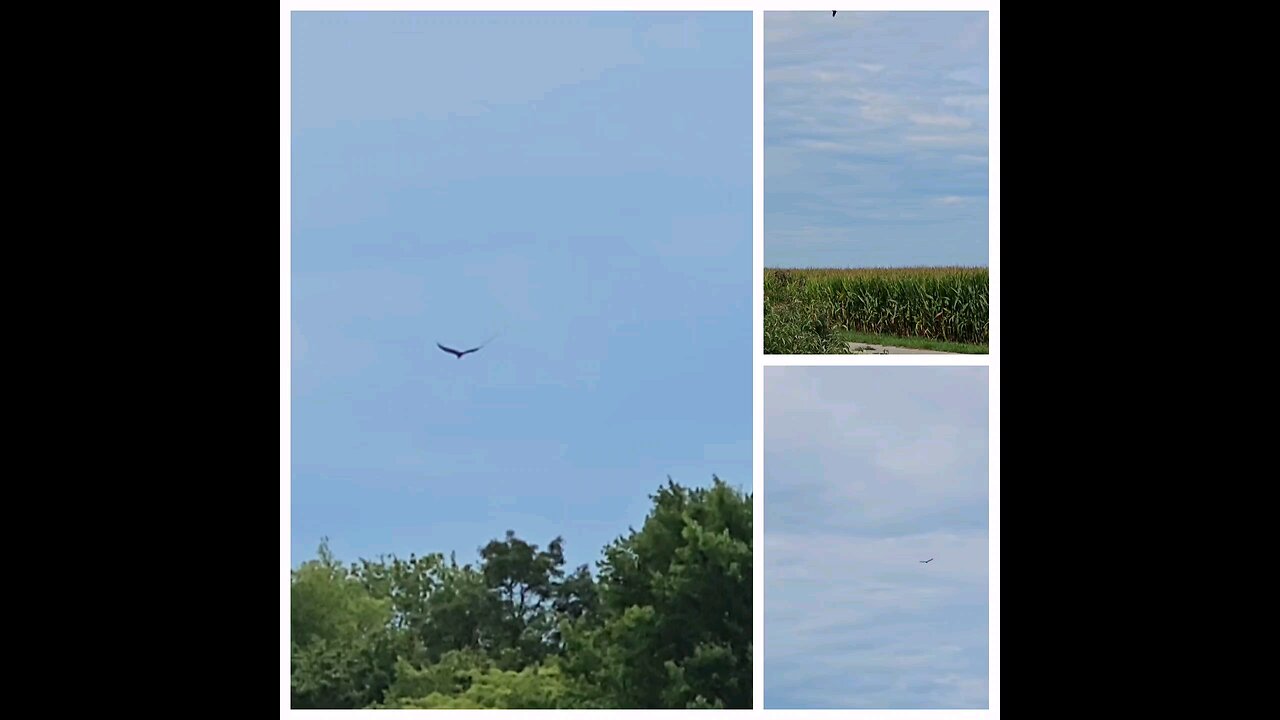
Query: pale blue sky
{"x": 578, "y": 183}
{"x": 875, "y": 139}
{"x": 868, "y": 471}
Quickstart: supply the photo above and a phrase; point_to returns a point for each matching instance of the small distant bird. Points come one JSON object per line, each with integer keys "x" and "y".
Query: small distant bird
{"x": 927, "y": 561}
{"x": 459, "y": 353}
{"x": 833, "y": 13}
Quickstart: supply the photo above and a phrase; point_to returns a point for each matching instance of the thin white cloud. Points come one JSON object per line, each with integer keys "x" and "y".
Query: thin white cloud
{"x": 946, "y": 140}
{"x": 954, "y": 121}
{"x": 925, "y": 456}
{"x": 969, "y": 102}
{"x": 882, "y": 109}
{"x": 824, "y": 145}
{"x": 970, "y": 75}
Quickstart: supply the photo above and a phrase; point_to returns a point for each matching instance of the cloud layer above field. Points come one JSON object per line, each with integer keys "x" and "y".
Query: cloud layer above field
{"x": 868, "y": 471}
{"x": 875, "y": 139}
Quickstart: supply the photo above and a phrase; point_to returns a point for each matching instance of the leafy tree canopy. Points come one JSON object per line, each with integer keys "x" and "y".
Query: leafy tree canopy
{"x": 664, "y": 623}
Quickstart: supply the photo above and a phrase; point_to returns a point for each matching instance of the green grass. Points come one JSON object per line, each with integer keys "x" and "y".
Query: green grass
{"x": 914, "y": 343}
{"x": 810, "y": 311}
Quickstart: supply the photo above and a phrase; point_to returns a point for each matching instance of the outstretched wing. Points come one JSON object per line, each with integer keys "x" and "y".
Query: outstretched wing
{"x": 460, "y": 353}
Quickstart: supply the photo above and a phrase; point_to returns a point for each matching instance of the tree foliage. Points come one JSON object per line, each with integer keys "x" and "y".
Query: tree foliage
{"x": 664, "y": 623}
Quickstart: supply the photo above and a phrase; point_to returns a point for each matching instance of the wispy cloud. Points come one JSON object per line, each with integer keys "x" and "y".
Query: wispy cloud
{"x": 953, "y": 121}
{"x": 905, "y": 91}
{"x": 947, "y": 140}
{"x": 968, "y": 102}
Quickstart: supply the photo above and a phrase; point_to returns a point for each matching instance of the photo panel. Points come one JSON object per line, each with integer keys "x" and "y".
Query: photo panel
{"x": 876, "y": 546}
{"x": 876, "y": 207}
{"x": 520, "y": 351}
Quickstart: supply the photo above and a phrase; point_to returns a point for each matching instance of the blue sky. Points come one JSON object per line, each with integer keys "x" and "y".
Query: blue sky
{"x": 867, "y": 471}
{"x": 580, "y": 185}
{"x": 875, "y": 139}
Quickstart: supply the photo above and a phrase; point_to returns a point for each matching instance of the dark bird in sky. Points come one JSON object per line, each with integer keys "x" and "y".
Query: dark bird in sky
{"x": 459, "y": 353}
{"x": 927, "y": 561}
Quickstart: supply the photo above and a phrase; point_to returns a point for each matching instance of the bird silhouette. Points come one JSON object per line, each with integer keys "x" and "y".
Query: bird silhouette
{"x": 927, "y": 561}
{"x": 459, "y": 353}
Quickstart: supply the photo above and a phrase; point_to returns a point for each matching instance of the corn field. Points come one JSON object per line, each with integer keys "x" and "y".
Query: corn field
{"x": 804, "y": 309}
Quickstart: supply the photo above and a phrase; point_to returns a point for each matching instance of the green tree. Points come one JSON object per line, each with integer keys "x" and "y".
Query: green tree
{"x": 523, "y": 580}
{"x": 459, "y": 682}
{"x": 451, "y": 675}
{"x": 676, "y": 603}
{"x": 667, "y": 623}
{"x": 343, "y": 654}
{"x": 459, "y": 614}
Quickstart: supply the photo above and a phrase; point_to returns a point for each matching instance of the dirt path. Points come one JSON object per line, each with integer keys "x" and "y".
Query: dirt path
{"x": 860, "y": 348}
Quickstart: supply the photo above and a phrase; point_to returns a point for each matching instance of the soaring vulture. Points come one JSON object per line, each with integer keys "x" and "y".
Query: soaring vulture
{"x": 459, "y": 353}
{"x": 927, "y": 561}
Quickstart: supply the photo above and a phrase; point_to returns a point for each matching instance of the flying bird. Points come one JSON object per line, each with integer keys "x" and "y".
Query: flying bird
{"x": 459, "y": 353}
{"x": 927, "y": 561}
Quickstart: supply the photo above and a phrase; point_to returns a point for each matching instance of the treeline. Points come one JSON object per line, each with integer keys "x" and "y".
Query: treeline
{"x": 664, "y": 623}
